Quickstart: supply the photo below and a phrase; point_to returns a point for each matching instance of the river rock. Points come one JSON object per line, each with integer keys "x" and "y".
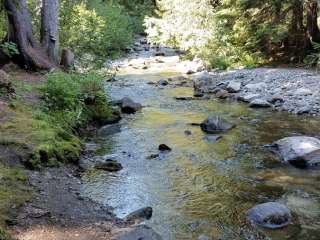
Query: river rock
{"x": 214, "y": 124}
{"x": 139, "y": 216}
{"x": 271, "y": 215}
{"x": 164, "y": 147}
{"x": 204, "y": 237}
{"x": 303, "y": 92}
{"x": 259, "y": 103}
{"x": 109, "y": 165}
{"x": 141, "y": 232}
{"x": 234, "y": 87}
{"x": 300, "y": 151}
{"x": 129, "y": 106}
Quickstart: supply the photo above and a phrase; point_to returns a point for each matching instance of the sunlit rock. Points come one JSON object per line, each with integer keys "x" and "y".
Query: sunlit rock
{"x": 300, "y": 151}
{"x": 234, "y": 87}
{"x": 129, "y": 106}
{"x": 259, "y": 103}
{"x": 269, "y": 215}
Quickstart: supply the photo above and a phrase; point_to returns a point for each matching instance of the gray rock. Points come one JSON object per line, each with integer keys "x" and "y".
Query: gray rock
{"x": 259, "y": 103}
{"x": 234, "y": 87}
{"x": 202, "y": 76}
{"x": 300, "y": 151}
{"x": 215, "y": 124}
{"x": 164, "y": 148}
{"x": 139, "y": 216}
{"x": 141, "y": 232}
{"x": 129, "y": 106}
{"x": 271, "y": 215}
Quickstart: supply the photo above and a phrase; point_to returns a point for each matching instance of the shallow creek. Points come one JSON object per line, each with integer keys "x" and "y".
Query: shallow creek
{"x": 202, "y": 187}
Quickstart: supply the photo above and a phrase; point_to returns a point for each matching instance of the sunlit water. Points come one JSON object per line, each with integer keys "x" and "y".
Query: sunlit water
{"x": 202, "y": 187}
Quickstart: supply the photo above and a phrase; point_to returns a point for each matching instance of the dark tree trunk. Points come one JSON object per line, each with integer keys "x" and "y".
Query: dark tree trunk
{"x": 31, "y": 53}
{"x": 312, "y": 21}
{"x": 50, "y": 28}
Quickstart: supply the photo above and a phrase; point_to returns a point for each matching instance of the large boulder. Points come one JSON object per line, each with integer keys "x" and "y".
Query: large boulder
{"x": 129, "y": 106}
{"x": 215, "y": 124}
{"x": 141, "y": 232}
{"x": 271, "y": 215}
{"x": 300, "y": 151}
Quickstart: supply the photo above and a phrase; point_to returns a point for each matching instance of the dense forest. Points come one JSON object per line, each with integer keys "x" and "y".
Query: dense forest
{"x": 203, "y": 113}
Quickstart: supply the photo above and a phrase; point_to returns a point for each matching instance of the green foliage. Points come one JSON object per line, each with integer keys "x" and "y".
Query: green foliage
{"x": 9, "y": 48}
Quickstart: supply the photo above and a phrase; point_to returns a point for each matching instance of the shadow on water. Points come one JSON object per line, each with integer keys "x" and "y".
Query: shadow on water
{"x": 202, "y": 187}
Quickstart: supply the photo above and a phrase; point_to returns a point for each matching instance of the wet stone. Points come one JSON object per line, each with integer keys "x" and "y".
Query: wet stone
{"x": 214, "y": 124}
{"x": 271, "y": 215}
{"x": 212, "y": 138}
{"x": 129, "y": 106}
{"x": 139, "y": 216}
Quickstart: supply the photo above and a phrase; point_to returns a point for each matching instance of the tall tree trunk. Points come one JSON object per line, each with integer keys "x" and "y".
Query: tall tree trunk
{"x": 312, "y": 21}
{"x": 31, "y": 53}
{"x": 50, "y": 28}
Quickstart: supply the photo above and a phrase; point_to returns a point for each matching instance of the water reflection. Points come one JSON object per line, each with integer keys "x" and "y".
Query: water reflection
{"x": 202, "y": 187}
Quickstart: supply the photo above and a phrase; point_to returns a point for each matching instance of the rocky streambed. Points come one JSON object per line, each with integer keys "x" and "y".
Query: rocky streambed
{"x": 214, "y": 178}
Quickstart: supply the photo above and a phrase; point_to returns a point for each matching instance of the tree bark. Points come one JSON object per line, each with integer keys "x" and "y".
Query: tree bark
{"x": 31, "y": 53}
{"x": 50, "y": 28}
{"x": 312, "y": 21}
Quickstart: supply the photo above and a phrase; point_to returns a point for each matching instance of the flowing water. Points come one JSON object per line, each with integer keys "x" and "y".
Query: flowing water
{"x": 202, "y": 187}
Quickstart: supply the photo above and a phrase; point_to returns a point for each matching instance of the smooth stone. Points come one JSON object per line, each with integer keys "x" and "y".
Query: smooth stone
{"x": 164, "y": 147}
{"x": 109, "y": 165}
{"x": 129, "y": 106}
{"x": 139, "y": 215}
{"x": 234, "y": 87}
{"x": 212, "y": 138}
{"x": 271, "y": 215}
{"x": 300, "y": 151}
{"x": 259, "y": 103}
{"x": 140, "y": 232}
{"x": 153, "y": 156}
{"x": 215, "y": 124}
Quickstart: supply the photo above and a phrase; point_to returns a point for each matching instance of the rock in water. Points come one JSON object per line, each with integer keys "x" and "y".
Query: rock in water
{"x": 214, "y": 124}
{"x": 109, "y": 165}
{"x": 139, "y": 216}
{"x": 141, "y": 232}
{"x": 129, "y": 106}
{"x": 269, "y": 215}
{"x": 300, "y": 151}
{"x": 163, "y": 148}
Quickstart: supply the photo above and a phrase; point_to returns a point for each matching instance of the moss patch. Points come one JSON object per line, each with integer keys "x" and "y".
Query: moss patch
{"x": 13, "y": 193}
